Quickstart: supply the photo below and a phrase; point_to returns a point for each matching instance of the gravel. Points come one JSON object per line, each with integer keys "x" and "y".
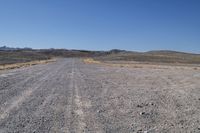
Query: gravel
{"x": 70, "y": 96}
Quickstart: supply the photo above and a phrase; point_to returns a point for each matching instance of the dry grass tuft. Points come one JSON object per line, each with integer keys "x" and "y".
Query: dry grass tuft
{"x": 120, "y": 64}
{"x": 91, "y": 61}
{"x": 26, "y": 64}
{"x": 136, "y": 65}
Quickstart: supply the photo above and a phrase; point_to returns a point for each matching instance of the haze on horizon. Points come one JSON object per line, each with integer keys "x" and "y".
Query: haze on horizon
{"x": 138, "y": 25}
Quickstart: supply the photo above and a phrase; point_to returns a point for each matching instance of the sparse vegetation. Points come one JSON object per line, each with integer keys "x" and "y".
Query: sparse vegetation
{"x": 20, "y": 56}
{"x": 25, "y": 64}
{"x": 163, "y": 57}
{"x": 153, "y": 57}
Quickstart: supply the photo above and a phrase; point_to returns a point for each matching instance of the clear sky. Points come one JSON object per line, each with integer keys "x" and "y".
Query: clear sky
{"x": 138, "y": 25}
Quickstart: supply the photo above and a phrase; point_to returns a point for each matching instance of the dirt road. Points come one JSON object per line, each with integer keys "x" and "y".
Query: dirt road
{"x": 69, "y": 96}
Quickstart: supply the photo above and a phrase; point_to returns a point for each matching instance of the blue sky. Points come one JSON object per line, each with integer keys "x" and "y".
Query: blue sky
{"x": 138, "y": 25}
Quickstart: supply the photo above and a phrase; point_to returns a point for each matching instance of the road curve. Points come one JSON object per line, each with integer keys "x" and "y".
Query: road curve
{"x": 68, "y": 96}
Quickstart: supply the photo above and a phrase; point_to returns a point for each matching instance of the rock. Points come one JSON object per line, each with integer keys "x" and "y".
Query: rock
{"x": 142, "y": 113}
{"x": 151, "y": 103}
{"x": 139, "y": 106}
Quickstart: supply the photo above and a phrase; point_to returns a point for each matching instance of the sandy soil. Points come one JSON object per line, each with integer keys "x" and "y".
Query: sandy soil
{"x": 69, "y": 96}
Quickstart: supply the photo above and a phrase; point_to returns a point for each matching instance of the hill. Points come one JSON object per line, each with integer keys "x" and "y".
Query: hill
{"x": 162, "y": 56}
{"x": 20, "y": 55}
{"x": 16, "y": 55}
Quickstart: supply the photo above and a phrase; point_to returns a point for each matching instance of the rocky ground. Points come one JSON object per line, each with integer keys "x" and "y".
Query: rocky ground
{"x": 70, "y": 96}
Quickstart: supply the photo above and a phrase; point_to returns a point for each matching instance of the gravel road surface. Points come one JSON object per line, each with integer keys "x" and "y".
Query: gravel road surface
{"x": 68, "y": 96}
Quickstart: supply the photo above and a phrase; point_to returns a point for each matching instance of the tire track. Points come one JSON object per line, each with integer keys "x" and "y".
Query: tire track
{"x": 53, "y": 104}
{"x": 78, "y": 124}
{"x": 87, "y": 120}
{"x": 17, "y": 88}
{"x": 29, "y": 95}
{"x": 18, "y": 100}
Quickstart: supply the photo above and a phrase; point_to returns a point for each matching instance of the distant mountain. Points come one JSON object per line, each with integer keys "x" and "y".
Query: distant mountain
{"x": 5, "y": 48}
{"x": 118, "y": 51}
{"x": 168, "y": 52}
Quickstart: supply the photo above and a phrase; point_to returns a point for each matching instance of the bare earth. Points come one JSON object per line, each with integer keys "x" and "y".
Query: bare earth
{"x": 69, "y": 96}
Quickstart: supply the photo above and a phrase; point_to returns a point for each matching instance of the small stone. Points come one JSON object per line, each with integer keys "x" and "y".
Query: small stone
{"x": 139, "y": 106}
{"x": 151, "y": 103}
{"x": 142, "y": 113}
{"x": 145, "y": 131}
